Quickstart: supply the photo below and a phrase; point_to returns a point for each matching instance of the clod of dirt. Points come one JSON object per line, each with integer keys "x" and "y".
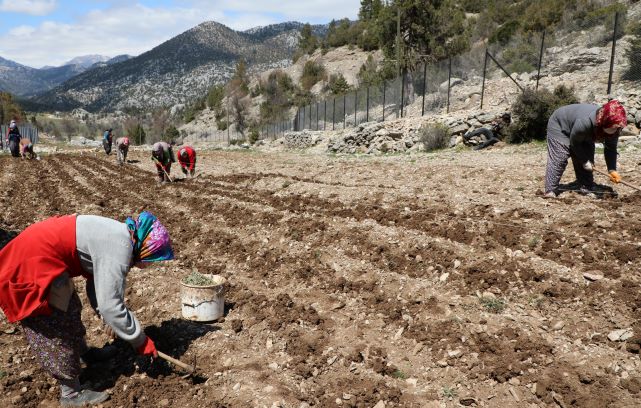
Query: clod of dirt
{"x": 237, "y": 325}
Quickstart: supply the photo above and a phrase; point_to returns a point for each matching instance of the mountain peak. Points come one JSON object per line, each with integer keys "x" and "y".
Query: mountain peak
{"x": 86, "y": 61}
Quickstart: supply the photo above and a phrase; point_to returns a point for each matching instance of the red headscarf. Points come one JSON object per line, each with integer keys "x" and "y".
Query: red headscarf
{"x": 612, "y": 114}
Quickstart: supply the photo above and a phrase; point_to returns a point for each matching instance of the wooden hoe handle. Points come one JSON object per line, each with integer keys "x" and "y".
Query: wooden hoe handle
{"x": 179, "y": 363}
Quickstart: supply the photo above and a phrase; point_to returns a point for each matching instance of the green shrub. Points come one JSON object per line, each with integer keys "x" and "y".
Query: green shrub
{"x": 435, "y": 136}
{"x": 532, "y": 111}
{"x": 313, "y": 72}
{"x": 215, "y": 97}
{"x": 338, "y": 84}
{"x": 504, "y": 34}
{"x": 254, "y": 136}
{"x": 221, "y": 124}
{"x": 171, "y": 133}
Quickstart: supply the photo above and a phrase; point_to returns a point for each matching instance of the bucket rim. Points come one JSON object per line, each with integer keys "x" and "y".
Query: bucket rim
{"x": 222, "y": 282}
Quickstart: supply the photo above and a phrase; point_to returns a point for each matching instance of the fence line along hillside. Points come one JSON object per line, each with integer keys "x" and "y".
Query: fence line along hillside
{"x": 599, "y": 54}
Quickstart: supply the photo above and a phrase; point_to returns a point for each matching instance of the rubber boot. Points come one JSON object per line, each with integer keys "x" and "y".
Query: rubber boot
{"x": 84, "y": 398}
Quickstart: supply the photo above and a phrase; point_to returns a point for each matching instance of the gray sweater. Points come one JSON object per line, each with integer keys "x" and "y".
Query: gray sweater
{"x": 574, "y": 126}
{"x": 105, "y": 250}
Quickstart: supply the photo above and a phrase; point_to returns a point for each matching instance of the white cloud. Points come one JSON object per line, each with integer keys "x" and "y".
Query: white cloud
{"x": 134, "y": 29}
{"x": 33, "y": 7}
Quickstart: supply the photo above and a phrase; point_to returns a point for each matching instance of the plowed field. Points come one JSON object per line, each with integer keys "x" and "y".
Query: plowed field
{"x": 426, "y": 281}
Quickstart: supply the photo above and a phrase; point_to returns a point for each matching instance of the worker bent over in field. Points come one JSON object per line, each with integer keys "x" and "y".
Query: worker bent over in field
{"x": 26, "y": 149}
{"x": 163, "y": 155}
{"x": 187, "y": 160}
{"x": 36, "y": 289}
{"x": 572, "y": 133}
{"x": 122, "y": 148}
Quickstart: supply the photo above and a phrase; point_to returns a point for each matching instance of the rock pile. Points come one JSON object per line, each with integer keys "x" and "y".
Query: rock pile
{"x": 302, "y": 140}
{"x": 374, "y": 138}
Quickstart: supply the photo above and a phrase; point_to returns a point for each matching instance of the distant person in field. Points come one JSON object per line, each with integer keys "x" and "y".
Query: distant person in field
{"x": 572, "y": 132}
{"x": 107, "y": 140}
{"x": 187, "y": 160}
{"x": 492, "y": 135}
{"x": 163, "y": 155}
{"x": 37, "y": 290}
{"x": 13, "y": 139}
{"x": 26, "y": 149}
{"x": 122, "y": 148}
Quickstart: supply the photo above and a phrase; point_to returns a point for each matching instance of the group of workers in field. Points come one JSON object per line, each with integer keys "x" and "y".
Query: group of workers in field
{"x": 18, "y": 146}
{"x": 37, "y": 266}
{"x": 162, "y": 154}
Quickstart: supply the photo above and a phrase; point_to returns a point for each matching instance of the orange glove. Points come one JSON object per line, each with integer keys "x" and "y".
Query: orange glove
{"x": 615, "y": 177}
{"x": 148, "y": 348}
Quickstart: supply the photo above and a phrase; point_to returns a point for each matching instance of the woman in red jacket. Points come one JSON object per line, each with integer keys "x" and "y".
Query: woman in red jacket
{"x": 36, "y": 289}
{"x": 187, "y": 160}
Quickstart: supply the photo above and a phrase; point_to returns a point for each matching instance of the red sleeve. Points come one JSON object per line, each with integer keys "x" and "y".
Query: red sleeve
{"x": 192, "y": 159}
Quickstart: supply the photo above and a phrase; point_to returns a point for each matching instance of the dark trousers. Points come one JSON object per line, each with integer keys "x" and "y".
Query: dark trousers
{"x": 489, "y": 136}
{"x": 14, "y": 147}
{"x": 558, "y": 155}
{"x": 107, "y": 145}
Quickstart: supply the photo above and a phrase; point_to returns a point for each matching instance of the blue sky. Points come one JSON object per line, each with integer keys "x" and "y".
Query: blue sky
{"x": 51, "y": 32}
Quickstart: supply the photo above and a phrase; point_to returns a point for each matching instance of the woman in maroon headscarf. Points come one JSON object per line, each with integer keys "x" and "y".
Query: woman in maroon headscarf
{"x": 572, "y": 132}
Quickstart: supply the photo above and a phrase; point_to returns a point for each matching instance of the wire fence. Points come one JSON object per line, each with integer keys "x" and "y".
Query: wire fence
{"x": 602, "y": 47}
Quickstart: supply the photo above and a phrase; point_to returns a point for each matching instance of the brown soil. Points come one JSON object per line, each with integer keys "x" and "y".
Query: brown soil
{"x": 354, "y": 281}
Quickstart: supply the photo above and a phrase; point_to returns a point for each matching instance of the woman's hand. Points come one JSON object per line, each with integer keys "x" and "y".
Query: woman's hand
{"x": 615, "y": 177}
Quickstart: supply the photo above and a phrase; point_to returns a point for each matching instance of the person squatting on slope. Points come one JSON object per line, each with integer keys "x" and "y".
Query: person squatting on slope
{"x": 107, "y": 140}
{"x": 572, "y": 132}
{"x": 122, "y": 148}
{"x": 36, "y": 288}
{"x": 13, "y": 139}
{"x": 187, "y": 160}
{"x": 163, "y": 155}
{"x": 492, "y": 134}
{"x": 26, "y": 149}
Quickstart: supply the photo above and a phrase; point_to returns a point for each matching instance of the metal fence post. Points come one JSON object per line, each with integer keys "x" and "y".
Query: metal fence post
{"x": 317, "y": 119}
{"x": 449, "y": 84}
{"x": 614, "y": 46}
{"x": 384, "y": 86}
{"x": 334, "y": 115}
{"x": 310, "y": 117}
{"x": 344, "y": 110}
{"x": 325, "y": 117}
{"x": 484, "y": 75}
{"x": 367, "y": 108}
{"x": 402, "y": 93}
{"x": 538, "y": 74}
{"x": 424, "y": 87}
{"x": 355, "y": 105}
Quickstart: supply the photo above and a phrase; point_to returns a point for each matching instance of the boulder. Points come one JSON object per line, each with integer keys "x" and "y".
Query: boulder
{"x": 459, "y": 130}
{"x": 452, "y": 83}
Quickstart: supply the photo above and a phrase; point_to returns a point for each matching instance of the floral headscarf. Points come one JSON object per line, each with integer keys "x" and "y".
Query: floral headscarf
{"x": 612, "y": 114}
{"x": 150, "y": 239}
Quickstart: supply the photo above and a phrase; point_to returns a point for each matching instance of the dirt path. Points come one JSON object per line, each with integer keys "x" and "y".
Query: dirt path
{"x": 413, "y": 280}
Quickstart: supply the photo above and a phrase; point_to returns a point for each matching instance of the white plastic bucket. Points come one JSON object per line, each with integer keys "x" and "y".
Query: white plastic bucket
{"x": 203, "y": 303}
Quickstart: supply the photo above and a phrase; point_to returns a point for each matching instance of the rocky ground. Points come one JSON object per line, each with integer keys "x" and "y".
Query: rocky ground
{"x": 423, "y": 280}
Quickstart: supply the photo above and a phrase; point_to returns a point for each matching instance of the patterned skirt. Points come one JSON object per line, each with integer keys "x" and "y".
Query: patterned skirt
{"x": 58, "y": 340}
